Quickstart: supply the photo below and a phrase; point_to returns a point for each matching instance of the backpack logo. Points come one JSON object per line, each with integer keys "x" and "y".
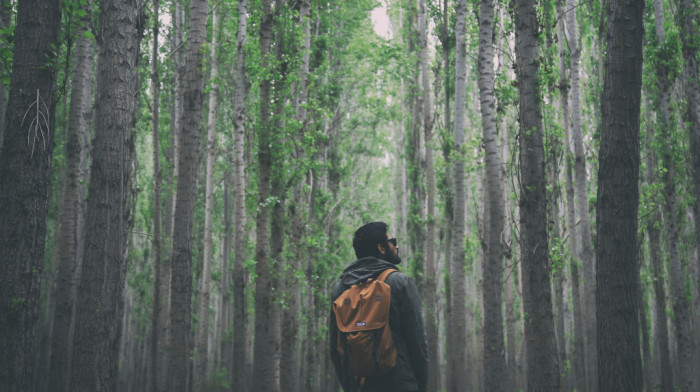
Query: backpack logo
{"x": 364, "y": 341}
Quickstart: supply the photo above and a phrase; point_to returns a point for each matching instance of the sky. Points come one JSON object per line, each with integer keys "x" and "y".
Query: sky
{"x": 381, "y": 21}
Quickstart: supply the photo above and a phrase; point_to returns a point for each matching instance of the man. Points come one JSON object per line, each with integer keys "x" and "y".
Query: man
{"x": 376, "y": 251}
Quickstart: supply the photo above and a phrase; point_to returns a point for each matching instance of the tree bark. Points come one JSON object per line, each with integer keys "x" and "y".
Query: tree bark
{"x": 687, "y": 17}
{"x": 681, "y": 308}
{"x": 99, "y": 304}
{"x": 62, "y": 336}
{"x": 619, "y": 361}
{"x": 25, "y": 167}
{"x": 543, "y": 368}
{"x": 188, "y": 164}
{"x": 457, "y": 348}
{"x": 240, "y": 301}
{"x": 265, "y": 373}
{"x": 586, "y": 254}
{"x": 157, "y": 343}
{"x": 200, "y": 374}
{"x": 430, "y": 286}
{"x": 494, "y": 346}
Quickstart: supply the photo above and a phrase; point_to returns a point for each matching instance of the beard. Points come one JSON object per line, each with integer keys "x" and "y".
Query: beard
{"x": 393, "y": 258}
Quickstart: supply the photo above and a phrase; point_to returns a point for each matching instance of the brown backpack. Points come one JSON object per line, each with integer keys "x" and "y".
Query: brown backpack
{"x": 365, "y": 344}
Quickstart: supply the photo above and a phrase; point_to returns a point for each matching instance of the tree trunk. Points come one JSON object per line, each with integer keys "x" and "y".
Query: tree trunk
{"x": 457, "y": 348}
{"x": 586, "y": 251}
{"x": 25, "y": 167}
{"x": 431, "y": 276}
{"x": 681, "y": 309}
{"x": 240, "y": 301}
{"x": 494, "y": 346}
{"x": 100, "y": 301}
{"x": 200, "y": 373}
{"x": 619, "y": 362}
{"x": 658, "y": 275}
{"x": 67, "y": 238}
{"x": 289, "y": 356}
{"x": 265, "y": 371}
{"x": 687, "y": 14}
{"x": 188, "y": 164}
{"x": 543, "y": 369}
{"x": 157, "y": 348}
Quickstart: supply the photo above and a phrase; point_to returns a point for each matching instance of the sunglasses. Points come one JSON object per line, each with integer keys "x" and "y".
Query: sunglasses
{"x": 391, "y": 241}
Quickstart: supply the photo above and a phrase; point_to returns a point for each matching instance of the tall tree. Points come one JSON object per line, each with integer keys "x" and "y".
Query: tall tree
{"x": 99, "y": 304}
{"x": 457, "y": 334}
{"x": 494, "y": 345}
{"x": 200, "y": 374}
{"x": 265, "y": 375}
{"x": 160, "y": 295}
{"x": 188, "y": 164}
{"x": 240, "y": 301}
{"x": 289, "y": 359}
{"x": 619, "y": 361}
{"x": 586, "y": 254}
{"x": 25, "y": 165}
{"x": 667, "y": 126}
{"x": 67, "y": 243}
{"x": 430, "y": 287}
{"x": 543, "y": 368}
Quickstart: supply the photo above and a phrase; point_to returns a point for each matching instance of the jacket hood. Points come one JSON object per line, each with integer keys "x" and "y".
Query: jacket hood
{"x": 363, "y": 269}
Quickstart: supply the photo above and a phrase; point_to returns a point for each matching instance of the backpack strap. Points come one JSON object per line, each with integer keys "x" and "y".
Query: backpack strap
{"x": 382, "y": 277}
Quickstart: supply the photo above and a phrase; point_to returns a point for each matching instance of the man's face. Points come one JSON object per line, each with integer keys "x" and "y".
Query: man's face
{"x": 389, "y": 250}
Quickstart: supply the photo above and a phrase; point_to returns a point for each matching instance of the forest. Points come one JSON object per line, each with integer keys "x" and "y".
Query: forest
{"x": 180, "y": 181}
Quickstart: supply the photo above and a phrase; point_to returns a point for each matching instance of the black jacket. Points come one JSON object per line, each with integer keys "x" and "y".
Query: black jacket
{"x": 405, "y": 321}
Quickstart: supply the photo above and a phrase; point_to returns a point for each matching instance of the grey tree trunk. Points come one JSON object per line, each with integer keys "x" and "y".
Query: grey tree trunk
{"x": 542, "y": 364}
{"x": 543, "y": 368}
{"x": 200, "y": 373}
{"x": 67, "y": 238}
{"x": 659, "y": 275}
{"x": 431, "y": 276}
{"x": 687, "y": 17}
{"x": 289, "y": 357}
{"x": 265, "y": 371}
{"x": 586, "y": 254}
{"x": 667, "y": 126}
{"x": 97, "y": 333}
{"x": 619, "y": 361}
{"x": 240, "y": 301}
{"x": 188, "y": 164}
{"x": 456, "y": 351}
{"x": 494, "y": 346}
{"x": 158, "y": 337}
{"x": 578, "y": 350}
{"x": 25, "y": 166}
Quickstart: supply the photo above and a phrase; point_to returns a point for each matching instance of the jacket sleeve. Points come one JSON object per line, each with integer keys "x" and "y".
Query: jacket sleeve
{"x": 346, "y": 380}
{"x": 412, "y": 321}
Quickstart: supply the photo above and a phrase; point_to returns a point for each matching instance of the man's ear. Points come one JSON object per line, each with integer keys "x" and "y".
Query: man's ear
{"x": 381, "y": 248}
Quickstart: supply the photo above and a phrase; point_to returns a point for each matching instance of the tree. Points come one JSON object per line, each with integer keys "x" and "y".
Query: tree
{"x": 494, "y": 346}
{"x": 159, "y": 314}
{"x": 67, "y": 243}
{"x": 99, "y": 303}
{"x": 458, "y": 329}
{"x": 265, "y": 375}
{"x": 240, "y": 301}
{"x": 25, "y": 164}
{"x": 188, "y": 163}
{"x": 543, "y": 368}
{"x": 617, "y": 317}
{"x": 200, "y": 374}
